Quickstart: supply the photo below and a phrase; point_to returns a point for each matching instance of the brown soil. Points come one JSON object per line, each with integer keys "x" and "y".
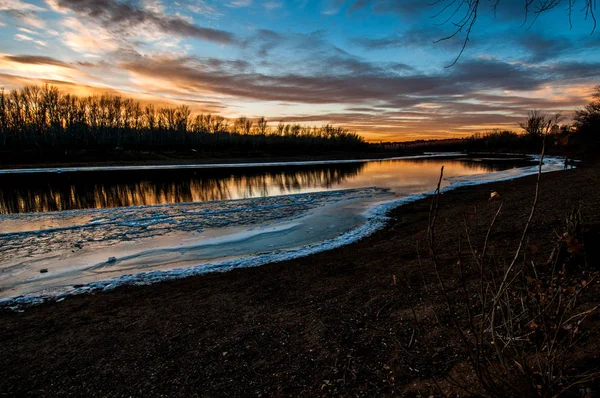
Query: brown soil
{"x": 330, "y": 324}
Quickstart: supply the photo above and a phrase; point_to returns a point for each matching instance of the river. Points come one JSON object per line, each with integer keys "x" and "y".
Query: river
{"x": 67, "y": 231}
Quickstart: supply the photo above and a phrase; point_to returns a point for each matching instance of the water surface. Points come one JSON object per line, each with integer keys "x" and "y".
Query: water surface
{"x": 61, "y": 230}
{"x": 98, "y": 188}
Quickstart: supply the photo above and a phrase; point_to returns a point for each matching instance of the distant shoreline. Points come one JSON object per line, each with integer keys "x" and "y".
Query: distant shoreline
{"x": 242, "y": 163}
{"x": 130, "y": 158}
{"x": 127, "y": 158}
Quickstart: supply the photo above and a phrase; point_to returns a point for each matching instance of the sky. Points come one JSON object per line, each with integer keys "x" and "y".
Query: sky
{"x": 374, "y": 66}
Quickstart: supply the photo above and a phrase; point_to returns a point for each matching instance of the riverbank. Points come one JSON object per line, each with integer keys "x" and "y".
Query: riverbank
{"x": 326, "y": 324}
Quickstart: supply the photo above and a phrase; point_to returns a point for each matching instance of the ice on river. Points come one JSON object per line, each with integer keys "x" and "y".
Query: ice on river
{"x": 51, "y": 253}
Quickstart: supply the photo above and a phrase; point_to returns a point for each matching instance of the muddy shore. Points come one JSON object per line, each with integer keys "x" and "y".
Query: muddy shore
{"x": 328, "y": 324}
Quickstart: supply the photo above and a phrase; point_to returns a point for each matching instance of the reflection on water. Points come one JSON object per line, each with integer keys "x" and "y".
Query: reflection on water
{"x": 81, "y": 190}
{"x": 69, "y": 191}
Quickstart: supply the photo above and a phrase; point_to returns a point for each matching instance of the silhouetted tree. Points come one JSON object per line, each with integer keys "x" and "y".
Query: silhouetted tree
{"x": 535, "y": 124}
{"x": 243, "y": 125}
{"x": 280, "y": 128}
{"x": 261, "y": 126}
{"x": 587, "y": 120}
{"x": 43, "y": 118}
{"x": 538, "y": 124}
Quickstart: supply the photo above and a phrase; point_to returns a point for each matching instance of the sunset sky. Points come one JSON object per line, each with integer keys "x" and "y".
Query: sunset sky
{"x": 370, "y": 65}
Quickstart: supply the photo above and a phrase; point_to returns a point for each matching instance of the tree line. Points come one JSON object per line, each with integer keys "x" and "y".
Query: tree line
{"x": 582, "y": 135}
{"x": 44, "y": 118}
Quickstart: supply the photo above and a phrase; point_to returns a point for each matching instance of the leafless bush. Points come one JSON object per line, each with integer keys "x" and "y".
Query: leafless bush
{"x": 522, "y": 320}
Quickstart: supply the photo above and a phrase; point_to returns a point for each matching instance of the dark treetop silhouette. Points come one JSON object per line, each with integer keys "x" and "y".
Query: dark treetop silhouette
{"x": 43, "y": 118}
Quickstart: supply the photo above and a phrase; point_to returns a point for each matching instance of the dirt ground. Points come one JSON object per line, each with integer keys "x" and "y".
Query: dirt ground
{"x": 332, "y": 324}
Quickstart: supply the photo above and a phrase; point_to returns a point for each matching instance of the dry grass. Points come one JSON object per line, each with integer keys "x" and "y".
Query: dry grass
{"x": 520, "y": 322}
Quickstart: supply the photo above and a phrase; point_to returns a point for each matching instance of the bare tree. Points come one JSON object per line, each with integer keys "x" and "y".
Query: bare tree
{"x": 219, "y": 124}
{"x": 538, "y": 124}
{"x": 587, "y": 120}
{"x": 43, "y": 118}
{"x": 534, "y": 125}
{"x": 261, "y": 126}
{"x": 3, "y": 117}
{"x": 243, "y": 125}
{"x": 280, "y": 128}
{"x": 462, "y": 14}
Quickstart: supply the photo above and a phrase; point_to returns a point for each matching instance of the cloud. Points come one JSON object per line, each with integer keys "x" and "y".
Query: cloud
{"x": 332, "y": 7}
{"x": 123, "y": 17}
{"x": 35, "y": 60}
{"x": 18, "y": 6}
{"x": 375, "y": 100}
{"x": 448, "y": 10}
{"x": 420, "y": 38}
{"x": 537, "y": 48}
{"x": 358, "y": 5}
{"x": 22, "y": 37}
{"x": 238, "y": 3}
{"x": 363, "y": 83}
{"x": 309, "y": 54}
{"x": 23, "y": 11}
{"x": 202, "y": 8}
{"x": 400, "y": 8}
{"x": 28, "y": 67}
{"x": 89, "y": 38}
{"x": 155, "y": 6}
{"x": 543, "y": 49}
{"x": 273, "y": 5}
{"x": 468, "y": 98}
